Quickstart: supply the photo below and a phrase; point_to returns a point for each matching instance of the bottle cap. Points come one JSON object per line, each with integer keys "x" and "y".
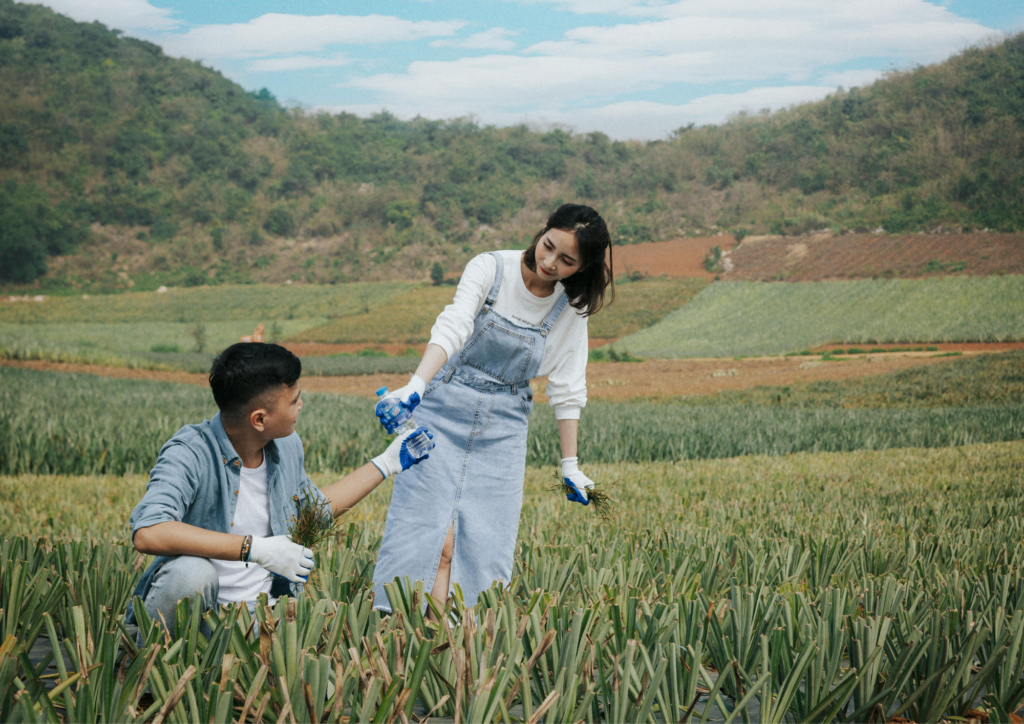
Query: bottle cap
{"x": 382, "y": 391}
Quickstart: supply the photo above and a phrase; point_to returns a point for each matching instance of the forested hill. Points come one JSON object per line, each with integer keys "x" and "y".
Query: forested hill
{"x": 135, "y": 168}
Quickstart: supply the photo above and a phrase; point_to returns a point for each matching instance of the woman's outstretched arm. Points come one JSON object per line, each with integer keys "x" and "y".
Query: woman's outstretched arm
{"x": 567, "y": 432}
{"x": 434, "y": 358}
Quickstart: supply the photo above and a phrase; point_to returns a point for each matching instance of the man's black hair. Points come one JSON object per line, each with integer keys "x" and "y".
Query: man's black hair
{"x": 246, "y": 370}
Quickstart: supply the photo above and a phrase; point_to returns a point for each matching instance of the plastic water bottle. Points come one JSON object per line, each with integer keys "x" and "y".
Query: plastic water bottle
{"x": 395, "y": 412}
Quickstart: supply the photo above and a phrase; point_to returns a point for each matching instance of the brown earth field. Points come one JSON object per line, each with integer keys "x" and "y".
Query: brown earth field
{"x": 675, "y": 259}
{"x": 926, "y": 347}
{"x": 619, "y": 381}
{"x": 323, "y": 349}
{"x": 818, "y": 257}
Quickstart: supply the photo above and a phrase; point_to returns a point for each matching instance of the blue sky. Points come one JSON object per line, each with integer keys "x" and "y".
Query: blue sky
{"x": 630, "y": 68}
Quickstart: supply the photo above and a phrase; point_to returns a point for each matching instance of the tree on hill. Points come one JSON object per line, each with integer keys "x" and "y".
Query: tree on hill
{"x": 197, "y": 168}
{"x": 30, "y": 229}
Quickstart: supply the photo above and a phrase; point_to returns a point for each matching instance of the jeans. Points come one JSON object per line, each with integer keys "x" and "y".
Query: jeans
{"x": 178, "y": 578}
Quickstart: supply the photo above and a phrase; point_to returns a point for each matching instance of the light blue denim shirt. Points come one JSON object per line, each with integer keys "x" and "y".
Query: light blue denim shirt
{"x": 195, "y": 481}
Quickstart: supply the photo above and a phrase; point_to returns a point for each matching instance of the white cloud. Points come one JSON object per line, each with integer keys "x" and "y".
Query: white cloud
{"x": 128, "y": 15}
{"x": 296, "y": 62}
{"x": 492, "y": 39}
{"x": 851, "y": 78}
{"x": 278, "y": 33}
{"x": 641, "y": 120}
{"x": 678, "y": 46}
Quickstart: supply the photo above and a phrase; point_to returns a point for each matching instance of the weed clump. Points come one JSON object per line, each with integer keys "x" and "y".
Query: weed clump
{"x": 604, "y": 507}
{"x": 313, "y": 523}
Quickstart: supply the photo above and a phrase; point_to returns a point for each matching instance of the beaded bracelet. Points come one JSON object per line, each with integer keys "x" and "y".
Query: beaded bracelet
{"x": 246, "y": 550}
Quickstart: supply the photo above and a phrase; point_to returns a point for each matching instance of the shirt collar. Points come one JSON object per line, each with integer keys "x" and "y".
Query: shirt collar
{"x": 227, "y": 450}
{"x": 228, "y": 455}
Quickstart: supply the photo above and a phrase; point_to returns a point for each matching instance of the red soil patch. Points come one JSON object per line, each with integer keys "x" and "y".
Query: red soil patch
{"x": 976, "y": 347}
{"x": 666, "y": 379}
{"x": 678, "y": 258}
{"x": 650, "y": 379}
{"x": 862, "y": 256}
{"x": 322, "y": 349}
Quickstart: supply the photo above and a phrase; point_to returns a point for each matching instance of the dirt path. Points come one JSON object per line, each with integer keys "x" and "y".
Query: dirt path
{"x": 650, "y": 379}
{"x": 663, "y": 379}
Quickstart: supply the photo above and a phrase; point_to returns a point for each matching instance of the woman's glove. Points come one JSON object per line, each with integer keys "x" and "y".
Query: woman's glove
{"x": 280, "y": 555}
{"x": 409, "y": 396}
{"x": 576, "y": 480}
{"x": 398, "y": 457}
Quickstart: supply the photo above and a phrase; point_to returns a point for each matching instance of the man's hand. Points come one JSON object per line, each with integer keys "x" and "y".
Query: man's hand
{"x": 280, "y": 555}
{"x": 398, "y": 457}
{"x": 409, "y": 397}
{"x": 576, "y": 480}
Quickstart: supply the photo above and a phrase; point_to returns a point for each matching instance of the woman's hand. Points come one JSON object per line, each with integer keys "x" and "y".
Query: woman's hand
{"x": 576, "y": 480}
{"x": 409, "y": 397}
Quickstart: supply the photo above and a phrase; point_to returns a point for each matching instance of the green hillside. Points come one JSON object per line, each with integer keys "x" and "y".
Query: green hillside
{"x": 185, "y": 178}
{"x": 763, "y": 318}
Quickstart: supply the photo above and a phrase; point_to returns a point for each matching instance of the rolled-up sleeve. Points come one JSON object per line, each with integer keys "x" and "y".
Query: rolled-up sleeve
{"x": 567, "y": 380}
{"x": 455, "y": 323}
{"x": 172, "y": 487}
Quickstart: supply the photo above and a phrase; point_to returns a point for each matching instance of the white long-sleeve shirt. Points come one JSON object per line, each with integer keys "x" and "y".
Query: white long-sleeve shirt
{"x": 565, "y": 351}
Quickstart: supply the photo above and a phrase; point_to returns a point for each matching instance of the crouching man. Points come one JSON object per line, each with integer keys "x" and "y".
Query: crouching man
{"x": 218, "y": 502}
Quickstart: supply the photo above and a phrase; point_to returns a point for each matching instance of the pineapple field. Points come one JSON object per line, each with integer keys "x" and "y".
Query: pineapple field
{"x": 825, "y": 552}
{"x": 858, "y": 586}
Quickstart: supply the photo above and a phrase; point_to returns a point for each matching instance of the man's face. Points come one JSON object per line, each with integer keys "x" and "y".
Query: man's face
{"x": 277, "y": 416}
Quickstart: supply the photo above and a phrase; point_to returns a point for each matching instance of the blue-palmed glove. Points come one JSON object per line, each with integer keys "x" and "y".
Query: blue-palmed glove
{"x": 409, "y": 396}
{"x": 576, "y": 480}
{"x": 398, "y": 457}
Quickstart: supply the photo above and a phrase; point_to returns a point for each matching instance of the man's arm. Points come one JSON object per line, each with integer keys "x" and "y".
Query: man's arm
{"x": 344, "y": 494}
{"x": 181, "y": 539}
{"x": 172, "y": 538}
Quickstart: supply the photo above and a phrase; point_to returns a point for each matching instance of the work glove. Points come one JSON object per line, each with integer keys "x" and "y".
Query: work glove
{"x": 576, "y": 480}
{"x": 279, "y": 555}
{"x": 398, "y": 457}
{"x": 409, "y": 397}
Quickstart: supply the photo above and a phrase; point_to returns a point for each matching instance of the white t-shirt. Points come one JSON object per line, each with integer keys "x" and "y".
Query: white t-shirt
{"x": 252, "y": 517}
{"x": 565, "y": 351}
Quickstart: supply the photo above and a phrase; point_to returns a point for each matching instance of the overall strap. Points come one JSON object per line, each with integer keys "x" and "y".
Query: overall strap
{"x": 493, "y": 294}
{"x": 549, "y": 321}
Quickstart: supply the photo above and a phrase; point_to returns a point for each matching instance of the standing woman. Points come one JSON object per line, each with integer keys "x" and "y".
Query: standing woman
{"x": 516, "y": 315}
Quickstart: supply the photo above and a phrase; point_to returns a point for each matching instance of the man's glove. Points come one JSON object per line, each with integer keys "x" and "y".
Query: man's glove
{"x": 576, "y": 480}
{"x": 280, "y": 555}
{"x": 409, "y": 397}
{"x": 398, "y": 457}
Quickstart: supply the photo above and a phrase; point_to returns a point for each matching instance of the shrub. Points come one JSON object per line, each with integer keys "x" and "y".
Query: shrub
{"x": 165, "y": 348}
{"x": 437, "y": 274}
{"x": 401, "y": 213}
{"x": 30, "y": 228}
{"x": 279, "y": 222}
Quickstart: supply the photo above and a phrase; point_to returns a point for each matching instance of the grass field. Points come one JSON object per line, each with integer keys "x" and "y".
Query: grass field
{"x": 82, "y": 424}
{"x": 150, "y": 330}
{"x": 130, "y": 338}
{"x": 263, "y": 302}
{"x": 757, "y": 318}
{"x": 408, "y": 318}
{"x": 811, "y": 587}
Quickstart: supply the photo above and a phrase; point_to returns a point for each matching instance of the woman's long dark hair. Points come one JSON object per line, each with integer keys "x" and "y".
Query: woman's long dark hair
{"x": 586, "y": 287}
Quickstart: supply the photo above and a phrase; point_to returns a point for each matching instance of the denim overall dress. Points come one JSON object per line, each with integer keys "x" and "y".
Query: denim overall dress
{"x": 477, "y": 406}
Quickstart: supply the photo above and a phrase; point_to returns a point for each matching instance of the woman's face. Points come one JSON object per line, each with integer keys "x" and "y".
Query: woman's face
{"x": 557, "y": 255}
